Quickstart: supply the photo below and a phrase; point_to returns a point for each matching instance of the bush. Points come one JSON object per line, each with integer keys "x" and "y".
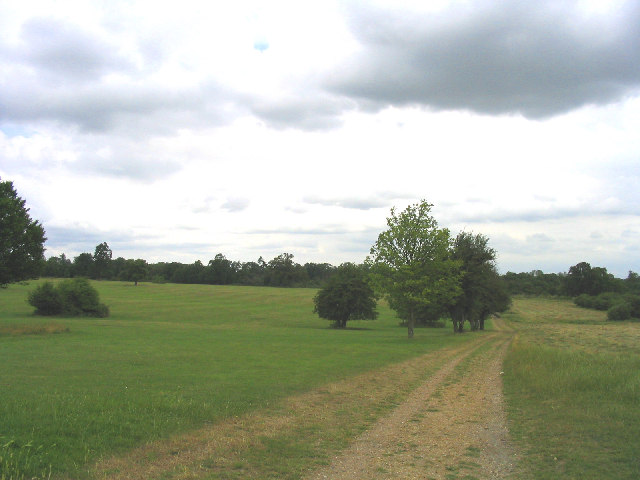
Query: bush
{"x": 621, "y": 311}
{"x": 46, "y": 299}
{"x": 602, "y": 302}
{"x": 71, "y": 297}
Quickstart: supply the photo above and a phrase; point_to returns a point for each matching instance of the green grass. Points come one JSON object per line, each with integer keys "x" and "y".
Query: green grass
{"x": 169, "y": 359}
{"x": 572, "y": 382}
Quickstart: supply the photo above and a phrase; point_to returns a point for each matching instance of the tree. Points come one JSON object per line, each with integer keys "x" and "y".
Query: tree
{"x": 482, "y": 290}
{"x": 411, "y": 263}
{"x": 21, "y": 238}
{"x": 346, "y": 296}
{"x": 134, "y": 270}
{"x": 282, "y": 271}
{"x": 101, "y": 261}
{"x": 83, "y": 265}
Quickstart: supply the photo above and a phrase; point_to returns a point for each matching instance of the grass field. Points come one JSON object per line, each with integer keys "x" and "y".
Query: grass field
{"x": 572, "y": 382}
{"x": 173, "y": 359}
{"x": 169, "y": 359}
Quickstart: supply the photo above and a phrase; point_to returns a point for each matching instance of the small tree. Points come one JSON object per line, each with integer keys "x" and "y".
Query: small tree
{"x": 21, "y": 239}
{"x": 346, "y": 296}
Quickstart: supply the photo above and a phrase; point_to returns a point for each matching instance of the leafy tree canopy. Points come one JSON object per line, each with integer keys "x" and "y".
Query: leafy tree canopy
{"x": 346, "y": 296}
{"x": 412, "y": 265}
{"x": 21, "y": 238}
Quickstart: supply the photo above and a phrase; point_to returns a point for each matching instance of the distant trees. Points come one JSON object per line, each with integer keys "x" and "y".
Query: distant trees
{"x": 346, "y": 296}
{"x": 412, "y": 265}
{"x": 592, "y": 281}
{"x": 21, "y": 238}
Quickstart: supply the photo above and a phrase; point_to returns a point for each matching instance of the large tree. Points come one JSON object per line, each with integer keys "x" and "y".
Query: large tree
{"x": 412, "y": 265}
{"x": 21, "y": 238}
{"x": 346, "y": 296}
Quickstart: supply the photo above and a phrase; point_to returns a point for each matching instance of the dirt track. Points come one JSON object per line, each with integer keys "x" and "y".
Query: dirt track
{"x": 451, "y": 425}
{"x": 454, "y": 424}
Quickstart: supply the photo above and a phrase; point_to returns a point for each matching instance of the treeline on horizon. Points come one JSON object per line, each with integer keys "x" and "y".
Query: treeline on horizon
{"x": 283, "y": 271}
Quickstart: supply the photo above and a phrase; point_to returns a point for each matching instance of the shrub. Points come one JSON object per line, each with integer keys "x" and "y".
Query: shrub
{"x": 621, "y": 311}
{"x": 74, "y": 297}
{"x": 46, "y": 299}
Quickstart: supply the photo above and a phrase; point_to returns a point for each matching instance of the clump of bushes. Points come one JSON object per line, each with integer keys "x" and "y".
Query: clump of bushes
{"x": 73, "y": 297}
{"x": 617, "y": 305}
{"x": 621, "y": 311}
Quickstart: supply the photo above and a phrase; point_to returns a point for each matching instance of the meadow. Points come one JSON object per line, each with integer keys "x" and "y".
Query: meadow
{"x": 173, "y": 359}
{"x": 572, "y": 386}
{"x": 170, "y": 359}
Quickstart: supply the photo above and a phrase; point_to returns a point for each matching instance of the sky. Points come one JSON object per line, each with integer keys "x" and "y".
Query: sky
{"x": 178, "y": 130}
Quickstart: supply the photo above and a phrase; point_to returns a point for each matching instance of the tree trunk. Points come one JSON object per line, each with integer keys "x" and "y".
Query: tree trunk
{"x": 412, "y": 322}
{"x": 482, "y": 323}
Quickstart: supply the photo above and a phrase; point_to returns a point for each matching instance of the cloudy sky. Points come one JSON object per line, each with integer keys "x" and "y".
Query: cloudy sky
{"x": 177, "y": 130}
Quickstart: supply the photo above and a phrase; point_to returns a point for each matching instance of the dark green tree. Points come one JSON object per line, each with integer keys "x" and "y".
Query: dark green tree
{"x": 134, "y": 270}
{"x": 482, "y": 290}
{"x": 412, "y": 265}
{"x": 282, "y": 271}
{"x": 83, "y": 265}
{"x": 57, "y": 267}
{"x": 346, "y": 296}
{"x": 102, "y": 261}
{"x": 21, "y": 239}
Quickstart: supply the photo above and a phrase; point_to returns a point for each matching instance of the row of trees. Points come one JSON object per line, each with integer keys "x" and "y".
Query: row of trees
{"x": 281, "y": 271}
{"x": 581, "y": 279}
{"x": 424, "y": 274}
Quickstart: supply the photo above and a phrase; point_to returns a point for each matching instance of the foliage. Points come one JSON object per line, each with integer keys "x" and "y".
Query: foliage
{"x": 346, "y": 296}
{"x": 411, "y": 263}
{"x": 535, "y": 282}
{"x": 101, "y": 261}
{"x": 620, "y": 311}
{"x": 21, "y": 238}
{"x": 582, "y": 278}
{"x": 134, "y": 270}
{"x": 47, "y": 300}
{"x": 482, "y": 290}
{"x": 72, "y": 297}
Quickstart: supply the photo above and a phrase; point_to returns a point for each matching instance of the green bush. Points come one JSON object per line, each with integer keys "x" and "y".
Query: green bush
{"x": 46, "y": 299}
{"x": 621, "y": 311}
{"x": 71, "y": 297}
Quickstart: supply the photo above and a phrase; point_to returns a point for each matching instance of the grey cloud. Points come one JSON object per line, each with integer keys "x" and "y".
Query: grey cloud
{"x": 538, "y": 214}
{"x": 236, "y": 204}
{"x": 306, "y": 111}
{"x": 537, "y": 59}
{"x": 68, "y": 52}
{"x": 380, "y": 200}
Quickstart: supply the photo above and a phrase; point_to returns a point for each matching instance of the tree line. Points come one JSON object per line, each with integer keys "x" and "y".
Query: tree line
{"x": 281, "y": 271}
